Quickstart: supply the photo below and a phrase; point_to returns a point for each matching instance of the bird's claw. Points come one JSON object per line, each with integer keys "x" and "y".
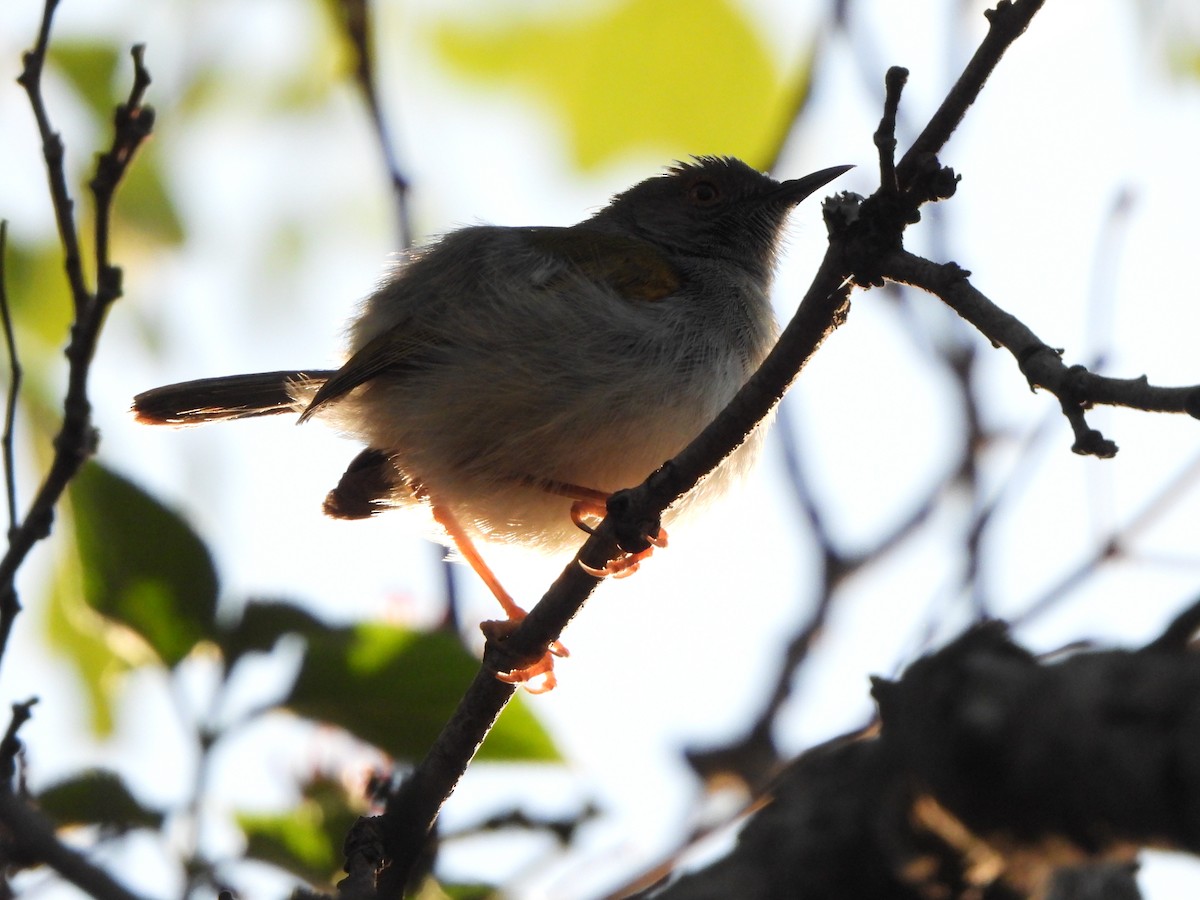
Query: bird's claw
{"x": 536, "y": 676}
{"x": 627, "y": 563}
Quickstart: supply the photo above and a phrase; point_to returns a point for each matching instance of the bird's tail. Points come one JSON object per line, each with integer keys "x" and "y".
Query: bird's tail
{"x": 227, "y": 397}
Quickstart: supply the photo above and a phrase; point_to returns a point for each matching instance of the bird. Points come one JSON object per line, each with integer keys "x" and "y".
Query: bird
{"x": 510, "y": 378}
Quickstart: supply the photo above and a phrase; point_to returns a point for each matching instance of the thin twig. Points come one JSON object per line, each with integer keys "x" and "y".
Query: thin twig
{"x": 754, "y": 757}
{"x": 52, "y": 149}
{"x": 29, "y": 836}
{"x": 77, "y": 438}
{"x": 1006, "y": 23}
{"x": 132, "y": 123}
{"x": 1115, "y": 545}
{"x": 32, "y": 837}
{"x": 199, "y": 869}
{"x": 885, "y": 134}
{"x": 14, "y": 385}
{"x": 357, "y": 17}
{"x": 10, "y": 745}
{"x": 1076, "y": 388}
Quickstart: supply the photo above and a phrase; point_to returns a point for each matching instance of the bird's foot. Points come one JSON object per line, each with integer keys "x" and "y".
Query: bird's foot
{"x": 536, "y": 675}
{"x": 583, "y": 512}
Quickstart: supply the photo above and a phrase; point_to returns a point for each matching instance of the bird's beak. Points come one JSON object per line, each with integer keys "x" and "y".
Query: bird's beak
{"x": 796, "y": 189}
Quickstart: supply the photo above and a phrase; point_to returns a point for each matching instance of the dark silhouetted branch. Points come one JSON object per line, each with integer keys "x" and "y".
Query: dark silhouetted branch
{"x": 14, "y": 385}
{"x": 1006, "y": 22}
{"x": 29, "y": 839}
{"x": 77, "y": 438}
{"x": 1076, "y": 388}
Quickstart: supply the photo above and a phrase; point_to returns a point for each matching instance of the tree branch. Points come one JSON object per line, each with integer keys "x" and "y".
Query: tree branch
{"x": 1006, "y": 22}
{"x": 995, "y": 774}
{"x": 27, "y": 838}
{"x": 77, "y": 438}
{"x": 356, "y": 18}
{"x": 32, "y": 838}
{"x": 14, "y": 385}
{"x": 356, "y": 21}
{"x": 1112, "y": 546}
{"x": 52, "y": 150}
{"x": 132, "y": 124}
{"x": 1076, "y": 388}
{"x": 10, "y": 744}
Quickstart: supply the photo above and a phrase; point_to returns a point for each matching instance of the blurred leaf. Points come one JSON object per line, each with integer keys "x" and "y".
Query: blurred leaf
{"x": 349, "y": 24}
{"x": 90, "y": 67}
{"x": 142, "y": 564}
{"x": 390, "y": 686}
{"x": 311, "y": 85}
{"x": 518, "y": 736}
{"x": 295, "y": 841}
{"x": 395, "y": 688}
{"x": 90, "y": 643}
{"x": 306, "y": 840}
{"x": 96, "y": 797}
{"x": 675, "y": 76}
{"x": 143, "y": 202}
{"x": 37, "y": 291}
{"x": 433, "y": 890}
{"x": 262, "y": 625}
{"x": 1185, "y": 60}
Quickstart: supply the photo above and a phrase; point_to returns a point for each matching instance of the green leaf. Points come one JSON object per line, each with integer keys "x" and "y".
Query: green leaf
{"x": 91, "y": 644}
{"x": 144, "y": 204}
{"x": 518, "y": 736}
{"x": 38, "y": 293}
{"x": 307, "y": 840}
{"x": 90, "y": 67}
{"x": 395, "y": 688}
{"x": 677, "y": 77}
{"x": 262, "y": 625}
{"x": 96, "y": 797}
{"x": 391, "y": 686}
{"x": 1184, "y": 59}
{"x": 432, "y": 890}
{"x": 142, "y": 565}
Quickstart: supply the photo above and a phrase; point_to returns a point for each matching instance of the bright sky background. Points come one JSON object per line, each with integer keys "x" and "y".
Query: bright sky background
{"x": 676, "y": 656}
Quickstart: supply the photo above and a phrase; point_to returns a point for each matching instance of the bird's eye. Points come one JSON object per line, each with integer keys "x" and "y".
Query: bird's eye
{"x": 704, "y": 193}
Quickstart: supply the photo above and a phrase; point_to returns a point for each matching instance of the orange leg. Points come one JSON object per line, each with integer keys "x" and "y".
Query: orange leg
{"x": 538, "y": 677}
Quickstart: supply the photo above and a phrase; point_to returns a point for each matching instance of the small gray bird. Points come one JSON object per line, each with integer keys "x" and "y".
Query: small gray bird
{"x": 513, "y": 377}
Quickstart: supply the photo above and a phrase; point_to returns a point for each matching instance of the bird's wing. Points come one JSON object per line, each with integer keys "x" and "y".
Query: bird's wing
{"x": 634, "y": 268}
{"x": 393, "y": 350}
